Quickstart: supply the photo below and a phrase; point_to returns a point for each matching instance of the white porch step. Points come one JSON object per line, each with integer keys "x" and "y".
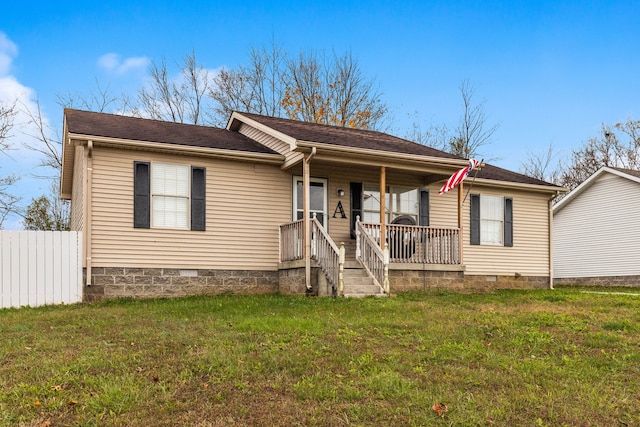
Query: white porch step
{"x": 357, "y": 284}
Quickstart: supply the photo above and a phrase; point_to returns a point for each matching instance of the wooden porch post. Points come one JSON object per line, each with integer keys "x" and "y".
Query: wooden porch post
{"x": 383, "y": 208}
{"x": 460, "y": 230}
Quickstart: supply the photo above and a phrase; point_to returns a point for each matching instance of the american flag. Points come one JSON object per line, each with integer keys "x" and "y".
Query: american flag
{"x": 459, "y": 176}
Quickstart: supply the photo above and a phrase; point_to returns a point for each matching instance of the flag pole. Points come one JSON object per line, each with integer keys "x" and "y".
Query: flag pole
{"x": 472, "y": 181}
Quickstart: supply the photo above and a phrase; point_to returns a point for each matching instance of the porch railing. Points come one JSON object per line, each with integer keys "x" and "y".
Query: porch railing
{"x": 417, "y": 244}
{"x": 291, "y": 241}
{"x": 327, "y": 254}
{"x": 372, "y": 257}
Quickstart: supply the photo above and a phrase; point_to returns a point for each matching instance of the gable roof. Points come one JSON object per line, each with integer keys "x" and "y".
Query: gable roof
{"x": 629, "y": 174}
{"x": 89, "y": 123}
{"x": 373, "y": 140}
{"x": 347, "y": 137}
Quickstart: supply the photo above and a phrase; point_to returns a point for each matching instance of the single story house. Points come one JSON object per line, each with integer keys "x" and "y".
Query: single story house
{"x": 275, "y": 205}
{"x": 596, "y": 231}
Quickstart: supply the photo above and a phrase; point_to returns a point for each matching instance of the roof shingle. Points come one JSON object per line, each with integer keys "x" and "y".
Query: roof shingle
{"x": 136, "y": 129}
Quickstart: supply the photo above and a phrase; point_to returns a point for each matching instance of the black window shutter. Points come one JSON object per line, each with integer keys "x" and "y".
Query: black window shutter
{"x": 508, "y": 221}
{"x": 475, "y": 219}
{"x": 424, "y": 208}
{"x": 356, "y": 205}
{"x": 141, "y": 195}
{"x": 198, "y": 199}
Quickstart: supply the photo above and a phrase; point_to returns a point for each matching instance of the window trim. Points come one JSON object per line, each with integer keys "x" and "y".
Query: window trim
{"x": 475, "y": 221}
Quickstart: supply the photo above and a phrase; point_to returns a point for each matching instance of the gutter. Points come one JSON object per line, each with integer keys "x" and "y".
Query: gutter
{"x": 183, "y": 149}
{"x": 87, "y": 207}
{"x": 551, "y": 239}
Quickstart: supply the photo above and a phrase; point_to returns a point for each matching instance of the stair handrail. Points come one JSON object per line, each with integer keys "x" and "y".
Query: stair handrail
{"x": 372, "y": 257}
{"x": 329, "y": 257}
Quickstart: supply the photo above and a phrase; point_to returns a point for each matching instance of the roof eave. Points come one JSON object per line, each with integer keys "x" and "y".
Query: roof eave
{"x": 178, "y": 148}
{"x": 68, "y": 160}
{"x": 369, "y": 156}
{"x": 239, "y": 117}
{"x": 518, "y": 185}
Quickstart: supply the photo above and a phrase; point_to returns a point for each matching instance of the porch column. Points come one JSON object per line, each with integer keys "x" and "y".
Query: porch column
{"x": 383, "y": 207}
{"x": 306, "y": 223}
{"x": 460, "y": 232}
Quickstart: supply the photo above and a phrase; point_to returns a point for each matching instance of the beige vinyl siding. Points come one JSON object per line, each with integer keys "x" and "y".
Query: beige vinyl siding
{"x": 245, "y": 203}
{"x": 269, "y": 141}
{"x": 77, "y": 191}
{"x": 598, "y": 233}
{"x": 529, "y": 255}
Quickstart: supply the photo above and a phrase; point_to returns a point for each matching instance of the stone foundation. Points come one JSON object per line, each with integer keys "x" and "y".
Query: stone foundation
{"x": 423, "y": 280}
{"x": 116, "y": 282}
{"x": 617, "y": 281}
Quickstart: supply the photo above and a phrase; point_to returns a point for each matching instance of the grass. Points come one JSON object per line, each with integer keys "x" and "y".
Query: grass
{"x": 537, "y": 358}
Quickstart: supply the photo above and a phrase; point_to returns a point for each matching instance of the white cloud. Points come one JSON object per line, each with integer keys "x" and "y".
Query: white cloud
{"x": 19, "y": 160}
{"x": 112, "y": 63}
{"x": 8, "y": 51}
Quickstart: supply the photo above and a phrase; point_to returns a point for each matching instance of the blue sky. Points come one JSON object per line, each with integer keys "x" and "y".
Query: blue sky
{"x": 550, "y": 72}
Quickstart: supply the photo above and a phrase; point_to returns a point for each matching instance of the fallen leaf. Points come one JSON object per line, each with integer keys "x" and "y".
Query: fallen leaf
{"x": 139, "y": 369}
{"x": 46, "y": 424}
{"x": 57, "y": 388}
{"x": 205, "y": 386}
{"x": 440, "y": 409}
{"x": 37, "y": 403}
{"x": 72, "y": 403}
{"x": 155, "y": 379}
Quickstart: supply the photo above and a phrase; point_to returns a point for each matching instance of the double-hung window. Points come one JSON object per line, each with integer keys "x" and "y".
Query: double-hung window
{"x": 169, "y": 196}
{"x": 491, "y": 220}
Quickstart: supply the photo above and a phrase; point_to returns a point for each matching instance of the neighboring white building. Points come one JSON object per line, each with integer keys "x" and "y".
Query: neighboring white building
{"x": 596, "y": 231}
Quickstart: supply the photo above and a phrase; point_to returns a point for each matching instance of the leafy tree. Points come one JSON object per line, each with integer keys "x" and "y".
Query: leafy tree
{"x": 47, "y": 213}
{"x": 332, "y": 91}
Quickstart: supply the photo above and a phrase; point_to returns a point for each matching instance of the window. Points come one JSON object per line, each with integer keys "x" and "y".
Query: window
{"x": 169, "y": 196}
{"x": 491, "y": 220}
{"x": 317, "y": 199}
{"x": 399, "y": 201}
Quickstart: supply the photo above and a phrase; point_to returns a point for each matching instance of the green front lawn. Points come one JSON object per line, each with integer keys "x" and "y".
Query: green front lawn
{"x": 508, "y": 358}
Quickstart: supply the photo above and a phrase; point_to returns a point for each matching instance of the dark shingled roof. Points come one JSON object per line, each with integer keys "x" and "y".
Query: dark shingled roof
{"x": 357, "y": 138}
{"x": 347, "y": 137}
{"x": 136, "y": 129}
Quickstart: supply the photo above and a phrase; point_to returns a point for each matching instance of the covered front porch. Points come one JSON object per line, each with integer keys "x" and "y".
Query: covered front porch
{"x": 378, "y": 249}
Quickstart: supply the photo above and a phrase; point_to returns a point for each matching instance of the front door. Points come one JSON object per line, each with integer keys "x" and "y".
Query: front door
{"x": 317, "y": 199}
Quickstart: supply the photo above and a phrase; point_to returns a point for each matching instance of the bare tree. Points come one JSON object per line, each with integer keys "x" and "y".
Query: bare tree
{"x": 257, "y": 88}
{"x": 101, "y": 100}
{"x": 48, "y": 141}
{"x": 543, "y": 166}
{"x": 332, "y": 91}
{"x": 615, "y": 146}
{"x": 473, "y": 131}
{"x": 8, "y": 201}
{"x": 179, "y": 99}
{"x": 436, "y": 136}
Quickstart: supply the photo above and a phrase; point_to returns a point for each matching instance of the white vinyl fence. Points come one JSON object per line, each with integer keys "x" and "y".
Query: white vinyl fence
{"x": 40, "y": 268}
